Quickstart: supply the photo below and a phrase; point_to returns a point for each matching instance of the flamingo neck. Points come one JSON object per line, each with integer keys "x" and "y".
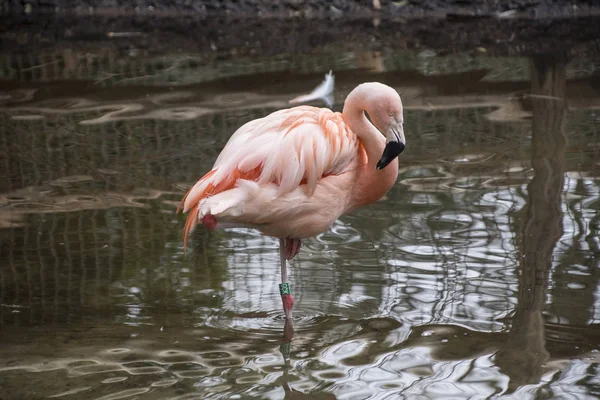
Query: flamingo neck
{"x": 370, "y": 184}
{"x": 372, "y": 140}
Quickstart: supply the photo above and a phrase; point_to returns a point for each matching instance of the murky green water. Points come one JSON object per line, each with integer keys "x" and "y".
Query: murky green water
{"x": 477, "y": 276}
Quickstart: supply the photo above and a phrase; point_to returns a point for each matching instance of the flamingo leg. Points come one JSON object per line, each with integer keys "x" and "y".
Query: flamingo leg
{"x": 283, "y": 258}
{"x": 288, "y": 248}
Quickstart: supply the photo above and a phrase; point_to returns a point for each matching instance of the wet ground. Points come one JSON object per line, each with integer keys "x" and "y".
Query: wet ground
{"x": 476, "y": 277}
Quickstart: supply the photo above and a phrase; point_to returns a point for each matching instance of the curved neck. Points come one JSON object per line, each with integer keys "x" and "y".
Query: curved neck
{"x": 371, "y": 184}
{"x": 372, "y": 140}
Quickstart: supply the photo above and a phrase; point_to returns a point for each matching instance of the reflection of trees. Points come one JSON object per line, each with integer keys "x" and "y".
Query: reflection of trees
{"x": 524, "y": 354}
{"x": 576, "y": 274}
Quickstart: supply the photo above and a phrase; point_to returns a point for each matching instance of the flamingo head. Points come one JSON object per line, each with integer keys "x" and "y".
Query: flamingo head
{"x": 387, "y": 115}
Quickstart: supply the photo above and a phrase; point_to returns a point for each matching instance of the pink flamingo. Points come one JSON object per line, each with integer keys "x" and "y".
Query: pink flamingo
{"x": 293, "y": 173}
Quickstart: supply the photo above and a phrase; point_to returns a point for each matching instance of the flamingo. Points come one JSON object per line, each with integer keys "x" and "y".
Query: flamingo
{"x": 293, "y": 173}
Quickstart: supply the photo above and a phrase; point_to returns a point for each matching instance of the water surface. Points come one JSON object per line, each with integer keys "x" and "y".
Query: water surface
{"x": 475, "y": 277}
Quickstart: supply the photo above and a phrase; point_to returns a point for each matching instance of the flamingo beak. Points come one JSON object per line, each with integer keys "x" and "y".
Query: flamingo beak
{"x": 394, "y": 146}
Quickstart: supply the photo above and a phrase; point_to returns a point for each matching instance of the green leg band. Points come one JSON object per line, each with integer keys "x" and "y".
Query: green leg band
{"x": 284, "y": 288}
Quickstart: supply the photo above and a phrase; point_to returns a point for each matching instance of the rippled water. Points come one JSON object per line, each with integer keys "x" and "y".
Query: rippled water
{"x": 477, "y": 275}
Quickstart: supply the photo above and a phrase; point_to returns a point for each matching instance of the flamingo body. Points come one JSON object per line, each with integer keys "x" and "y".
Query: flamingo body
{"x": 278, "y": 173}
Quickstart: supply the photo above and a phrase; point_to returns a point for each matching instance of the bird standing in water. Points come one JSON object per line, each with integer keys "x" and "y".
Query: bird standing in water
{"x": 293, "y": 173}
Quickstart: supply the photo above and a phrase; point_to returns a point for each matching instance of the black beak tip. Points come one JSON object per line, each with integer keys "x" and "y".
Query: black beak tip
{"x": 391, "y": 151}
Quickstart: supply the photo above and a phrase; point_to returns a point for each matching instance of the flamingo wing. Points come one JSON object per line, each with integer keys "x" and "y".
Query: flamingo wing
{"x": 289, "y": 147}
